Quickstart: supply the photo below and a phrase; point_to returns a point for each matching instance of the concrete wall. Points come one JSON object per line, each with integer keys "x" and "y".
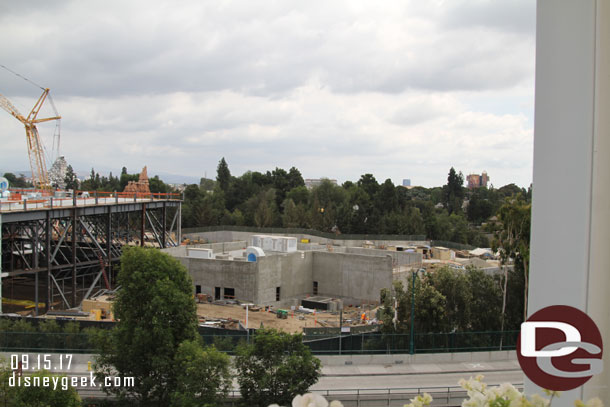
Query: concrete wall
{"x": 399, "y": 258}
{"x": 291, "y": 272}
{"x": 223, "y": 246}
{"x": 352, "y": 277}
{"x": 242, "y": 276}
{"x": 230, "y": 236}
{"x": 178, "y": 251}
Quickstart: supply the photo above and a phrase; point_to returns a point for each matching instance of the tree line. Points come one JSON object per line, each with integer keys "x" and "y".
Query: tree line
{"x": 279, "y": 198}
{"x": 470, "y": 300}
{"x": 450, "y": 300}
{"x": 111, "y": 183}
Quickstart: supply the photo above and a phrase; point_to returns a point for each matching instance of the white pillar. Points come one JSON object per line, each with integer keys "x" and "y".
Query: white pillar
{"x": 0, "y": 263}
{"x": 570, "y": 249}
{"x": 598, "y": 294}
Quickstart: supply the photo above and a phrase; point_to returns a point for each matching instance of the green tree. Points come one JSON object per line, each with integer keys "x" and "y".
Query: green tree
{"x": 17, "y": 182}
{"x": 486, "y": 302}
{"x": 512, "y": 240}
{"x": 455, "y": 287}
{"x": 156, "y": 314}
{"x": 479, "y": 208}
{"x": 369, "y": 184}
{"x": 260, "y": 209}
{"x": 207, "y": 184}
{"x": 275, "y": 368}
{"x": 223, "y": 175}
{"x": 70, "y": 178}
{"x": 396, "y": 312}
{"x": 125, "y": 178}
{"x": 295, "y": 179}
{"x": 430, "y": 307}
{"x": 511, "y": 190}
{"x": 299, "y": 195}
{"x": 386, "y": 198}
{"x": 204, "y": 378}
{"x": 156, "y": 185}
{"x": 291, "y": 216}
{"x": 453, "y": 192}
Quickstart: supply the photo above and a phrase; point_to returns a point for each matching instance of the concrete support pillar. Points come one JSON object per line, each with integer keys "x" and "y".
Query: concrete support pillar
{"x": 598, "y": 300}
{"x": 570, "y": 260}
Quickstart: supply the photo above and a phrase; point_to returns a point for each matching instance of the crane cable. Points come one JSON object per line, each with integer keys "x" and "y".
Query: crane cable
{"x": 22, "y": 77}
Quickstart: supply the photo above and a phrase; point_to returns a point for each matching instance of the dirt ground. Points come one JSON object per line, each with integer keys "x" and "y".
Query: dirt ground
{"x": 294, "y": 323}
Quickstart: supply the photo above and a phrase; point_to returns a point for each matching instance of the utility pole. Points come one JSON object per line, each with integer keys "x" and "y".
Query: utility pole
{"x": 413, "y": 275}
{"x": 340, "y": 329}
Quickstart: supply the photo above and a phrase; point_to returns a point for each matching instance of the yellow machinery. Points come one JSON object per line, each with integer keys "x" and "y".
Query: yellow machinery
{"x": 38, "y": 165}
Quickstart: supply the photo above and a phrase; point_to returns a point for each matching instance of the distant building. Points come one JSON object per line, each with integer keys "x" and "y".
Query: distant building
{"x": 57, "y": 173}
{"x": 477, "y": 181}
{"x": 310, "y": 183}
{"x": 406, "y": 182}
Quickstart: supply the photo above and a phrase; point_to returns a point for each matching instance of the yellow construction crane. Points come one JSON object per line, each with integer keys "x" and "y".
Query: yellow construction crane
{"x": 38, "y": 165}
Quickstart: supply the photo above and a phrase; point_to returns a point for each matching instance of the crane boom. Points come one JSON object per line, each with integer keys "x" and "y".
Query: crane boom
{"x": 38, "y": 164}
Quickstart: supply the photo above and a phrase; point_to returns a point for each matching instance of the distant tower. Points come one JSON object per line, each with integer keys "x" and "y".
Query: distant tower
{"x": 406, "y": 182}
{"x": 484, "y": 179}
{"x": 477, "y": 181}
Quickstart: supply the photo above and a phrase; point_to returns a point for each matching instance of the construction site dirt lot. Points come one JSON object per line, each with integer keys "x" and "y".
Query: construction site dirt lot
{"x": 294, "y": 323}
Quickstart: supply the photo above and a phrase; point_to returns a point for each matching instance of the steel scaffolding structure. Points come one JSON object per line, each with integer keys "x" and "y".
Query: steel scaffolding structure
{"x": 65, "y": 254}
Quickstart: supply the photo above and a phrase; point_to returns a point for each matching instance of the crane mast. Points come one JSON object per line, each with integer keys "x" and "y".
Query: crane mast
{"x": 38, "y": 164}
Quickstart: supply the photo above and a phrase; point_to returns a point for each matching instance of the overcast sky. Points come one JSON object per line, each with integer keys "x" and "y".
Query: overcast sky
{"x": 399, "y": 89}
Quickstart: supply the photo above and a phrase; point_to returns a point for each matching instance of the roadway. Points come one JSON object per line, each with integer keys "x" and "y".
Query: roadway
{"x": 372, "y": 384}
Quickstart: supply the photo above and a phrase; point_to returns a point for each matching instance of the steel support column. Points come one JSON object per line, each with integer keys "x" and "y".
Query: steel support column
{"x": 48, "y": 228}
{"x": 74, "y": 257}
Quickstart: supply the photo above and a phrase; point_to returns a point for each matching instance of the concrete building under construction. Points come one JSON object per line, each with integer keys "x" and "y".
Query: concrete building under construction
{"x": 283, "y": 273}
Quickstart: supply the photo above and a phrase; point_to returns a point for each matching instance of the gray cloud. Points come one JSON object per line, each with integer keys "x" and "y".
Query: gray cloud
{"x": 407, "y": 89}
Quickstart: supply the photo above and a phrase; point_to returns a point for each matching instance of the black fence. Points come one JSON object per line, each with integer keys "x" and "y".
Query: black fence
{"x": 380, "y": 343}
{"x": 322, "y": 344}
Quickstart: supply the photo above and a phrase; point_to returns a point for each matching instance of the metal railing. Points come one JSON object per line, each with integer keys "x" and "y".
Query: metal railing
{"x": 442, "y": 395}
{"x": 375, "y": 343}
{"x": 45, "y": 200}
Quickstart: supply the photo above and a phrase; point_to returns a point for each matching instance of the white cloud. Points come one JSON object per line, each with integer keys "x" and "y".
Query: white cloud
{"x": 338, "y": 89}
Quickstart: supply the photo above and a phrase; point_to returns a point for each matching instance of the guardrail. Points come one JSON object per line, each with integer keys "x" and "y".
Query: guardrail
{"x": 80, "y": 198}
{"x": 443, "y": 396}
